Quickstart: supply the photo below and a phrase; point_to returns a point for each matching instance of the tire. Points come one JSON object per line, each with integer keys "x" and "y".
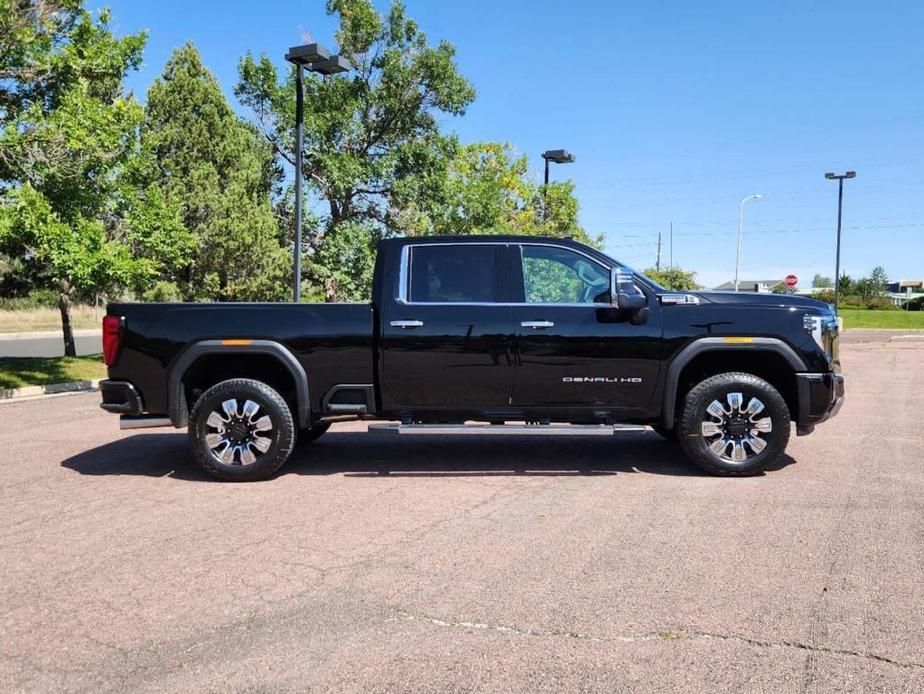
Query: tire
{"x": 312, "y": 434}
{"x": 740, "y": 414}
{"x": 666, "y": 434}
{"x": 266, "y": 433}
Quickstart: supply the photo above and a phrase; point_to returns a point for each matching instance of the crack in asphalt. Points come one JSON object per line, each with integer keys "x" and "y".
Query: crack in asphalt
{"x": 658, "y": 635}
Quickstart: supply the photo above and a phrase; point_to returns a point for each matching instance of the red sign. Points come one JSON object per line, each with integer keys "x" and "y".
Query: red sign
{"x": 791, "y": 280}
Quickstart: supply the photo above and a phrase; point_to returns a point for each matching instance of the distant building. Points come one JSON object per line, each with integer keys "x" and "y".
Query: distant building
{"x": 903, "y": 291}
{"x": 902, "y": 285}
{"x": 750, "y": 286}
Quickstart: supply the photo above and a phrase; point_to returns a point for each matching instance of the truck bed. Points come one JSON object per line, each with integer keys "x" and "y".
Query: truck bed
{"x": 333, "y": 342}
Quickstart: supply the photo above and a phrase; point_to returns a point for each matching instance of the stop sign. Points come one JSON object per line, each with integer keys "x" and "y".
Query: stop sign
{"x": 791, "y": 280}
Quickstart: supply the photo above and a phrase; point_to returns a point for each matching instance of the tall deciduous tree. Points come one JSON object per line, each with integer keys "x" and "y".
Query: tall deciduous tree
{"x": 219, "y": 171}
{"x": 373, "y": 143}
{"x": 485, "y": 189}
{"x": 69, "y": 131}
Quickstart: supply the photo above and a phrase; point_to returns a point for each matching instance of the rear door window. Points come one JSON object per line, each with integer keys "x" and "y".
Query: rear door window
{"x": 464, "y": 273}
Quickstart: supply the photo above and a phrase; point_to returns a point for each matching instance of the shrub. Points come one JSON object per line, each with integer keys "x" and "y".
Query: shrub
{"x": 163, "y": 292}
{"x": 880, "y": 303}
{"x": 852, "y": 301}
{"x": 38, "y": 298}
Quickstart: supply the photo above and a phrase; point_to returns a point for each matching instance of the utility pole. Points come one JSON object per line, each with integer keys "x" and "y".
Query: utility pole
{"x": 658, "y": 261}
{"x": 671, "y": 276}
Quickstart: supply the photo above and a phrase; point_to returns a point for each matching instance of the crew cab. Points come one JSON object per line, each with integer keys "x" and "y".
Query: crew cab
{"x": 482, "y": 335}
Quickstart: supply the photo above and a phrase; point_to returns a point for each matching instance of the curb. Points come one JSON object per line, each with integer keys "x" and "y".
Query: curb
{"x": 32, "y": 392}
{"x": 907, "y": 338}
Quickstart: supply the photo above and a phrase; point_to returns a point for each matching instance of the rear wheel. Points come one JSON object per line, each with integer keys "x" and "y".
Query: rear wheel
{"x": 734, "y": 424}
{"x": 241, "y": 430}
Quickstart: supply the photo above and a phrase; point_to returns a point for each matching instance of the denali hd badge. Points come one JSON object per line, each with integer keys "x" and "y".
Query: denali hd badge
{"x": 600, "y": 379}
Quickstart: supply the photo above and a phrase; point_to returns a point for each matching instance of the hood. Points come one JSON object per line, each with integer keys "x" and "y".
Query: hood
{"x": 763, "y": 300}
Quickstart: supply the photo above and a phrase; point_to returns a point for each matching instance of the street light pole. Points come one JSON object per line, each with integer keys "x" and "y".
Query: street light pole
{"x": 316, "y": 58}
{"x": 299, "y": 146}
{"x": 740, "y": 231}
{"x": 840, "y": 206}
{"x": 556, "y": 156}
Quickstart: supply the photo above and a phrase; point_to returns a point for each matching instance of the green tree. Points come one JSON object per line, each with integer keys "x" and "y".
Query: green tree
{"x": 204, "y": 160}
{"x": 674, "y": 278}
{"x": 486, "y": 189}
{"x": 373, "y": 143}
{"x": 821, "y": 282}
{"x": 879, "y": 281}
{"x": 69, "y": 132}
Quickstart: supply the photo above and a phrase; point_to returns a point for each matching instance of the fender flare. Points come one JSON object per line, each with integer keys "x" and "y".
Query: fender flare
{"x": 176, "y": 400}
{"x": 712, "y": 344}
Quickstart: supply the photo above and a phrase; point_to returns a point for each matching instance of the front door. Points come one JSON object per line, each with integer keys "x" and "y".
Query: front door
{"x": 575, "y": 349}
{"x": 447, "y": 337}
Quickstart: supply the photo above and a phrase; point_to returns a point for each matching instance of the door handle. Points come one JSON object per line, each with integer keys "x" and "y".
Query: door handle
{"x": 537, "y": 324}
{"x": 407, "y": 324}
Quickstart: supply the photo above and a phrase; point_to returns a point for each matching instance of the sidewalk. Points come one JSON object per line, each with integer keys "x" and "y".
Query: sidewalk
{"x": 56, "y": 334}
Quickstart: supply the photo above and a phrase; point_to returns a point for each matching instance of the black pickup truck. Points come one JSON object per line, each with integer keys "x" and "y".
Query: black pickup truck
{"x": 483, "y": 335}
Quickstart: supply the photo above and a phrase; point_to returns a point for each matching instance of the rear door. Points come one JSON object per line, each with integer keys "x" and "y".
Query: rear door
{"x": 448, "y": 331}
{"x": 575, "y": 349}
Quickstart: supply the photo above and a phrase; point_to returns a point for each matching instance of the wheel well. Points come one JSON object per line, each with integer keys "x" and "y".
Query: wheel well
{"x": 770, "y": 366}
{"x": 210, "y": 369}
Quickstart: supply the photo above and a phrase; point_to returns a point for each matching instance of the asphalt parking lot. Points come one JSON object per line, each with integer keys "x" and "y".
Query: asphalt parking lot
{"x": 452, "y": 564}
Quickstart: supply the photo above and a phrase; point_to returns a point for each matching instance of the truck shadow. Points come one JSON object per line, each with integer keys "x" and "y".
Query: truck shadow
{"x": 359, "y": 454}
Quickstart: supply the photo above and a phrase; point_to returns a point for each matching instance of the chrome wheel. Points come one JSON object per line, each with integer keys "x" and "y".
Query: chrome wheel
{"x": 235, "y": 433}
{"x": 734, "y": 430}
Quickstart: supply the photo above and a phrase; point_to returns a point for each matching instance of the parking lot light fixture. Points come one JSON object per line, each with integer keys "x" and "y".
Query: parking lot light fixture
{"x": 315, "y": 58}
{"x": 556, "y": 156}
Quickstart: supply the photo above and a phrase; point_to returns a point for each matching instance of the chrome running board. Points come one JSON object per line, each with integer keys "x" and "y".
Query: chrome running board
{"x": 143, "y": 422}
{"x": 508, "y": 429}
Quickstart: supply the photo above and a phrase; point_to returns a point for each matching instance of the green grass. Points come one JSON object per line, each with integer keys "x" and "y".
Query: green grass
{"x": 16, "y": 372}
{"x": 895, "y": 320}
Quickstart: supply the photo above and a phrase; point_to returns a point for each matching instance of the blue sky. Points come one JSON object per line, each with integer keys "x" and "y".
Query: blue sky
{"x": 674, "y": 111}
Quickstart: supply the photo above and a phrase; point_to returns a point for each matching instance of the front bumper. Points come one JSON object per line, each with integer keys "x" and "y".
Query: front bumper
{"x": 821, "y": 396}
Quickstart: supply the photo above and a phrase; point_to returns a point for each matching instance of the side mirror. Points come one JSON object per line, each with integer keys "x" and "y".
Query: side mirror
{"x": 625, "y": 295}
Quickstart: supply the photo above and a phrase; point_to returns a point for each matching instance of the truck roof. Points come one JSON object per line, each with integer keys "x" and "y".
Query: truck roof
{"x": 481, "y": 238}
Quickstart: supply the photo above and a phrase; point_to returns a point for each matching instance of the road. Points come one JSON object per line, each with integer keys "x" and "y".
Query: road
{"x": 502, "y": 565}
{"x": 48, "y": 344}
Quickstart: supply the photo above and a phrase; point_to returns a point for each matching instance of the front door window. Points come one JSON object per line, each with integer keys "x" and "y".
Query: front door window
{"x": 553, "y": 275}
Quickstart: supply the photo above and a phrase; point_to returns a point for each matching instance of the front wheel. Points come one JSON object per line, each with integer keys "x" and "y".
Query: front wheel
{"x": 734, "y": 424}
{"x": 241, "y": 430}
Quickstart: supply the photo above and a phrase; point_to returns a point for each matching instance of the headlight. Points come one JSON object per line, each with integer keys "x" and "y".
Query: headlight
{"x": 824, "y": 330}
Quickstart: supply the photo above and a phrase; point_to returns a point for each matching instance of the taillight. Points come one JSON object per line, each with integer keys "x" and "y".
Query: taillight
{"x": 112, "y": 338}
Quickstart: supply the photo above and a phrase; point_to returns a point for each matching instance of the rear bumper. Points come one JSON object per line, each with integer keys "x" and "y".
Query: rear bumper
{"x": 821, "y": 396}
{"x": 120, "y": 397}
